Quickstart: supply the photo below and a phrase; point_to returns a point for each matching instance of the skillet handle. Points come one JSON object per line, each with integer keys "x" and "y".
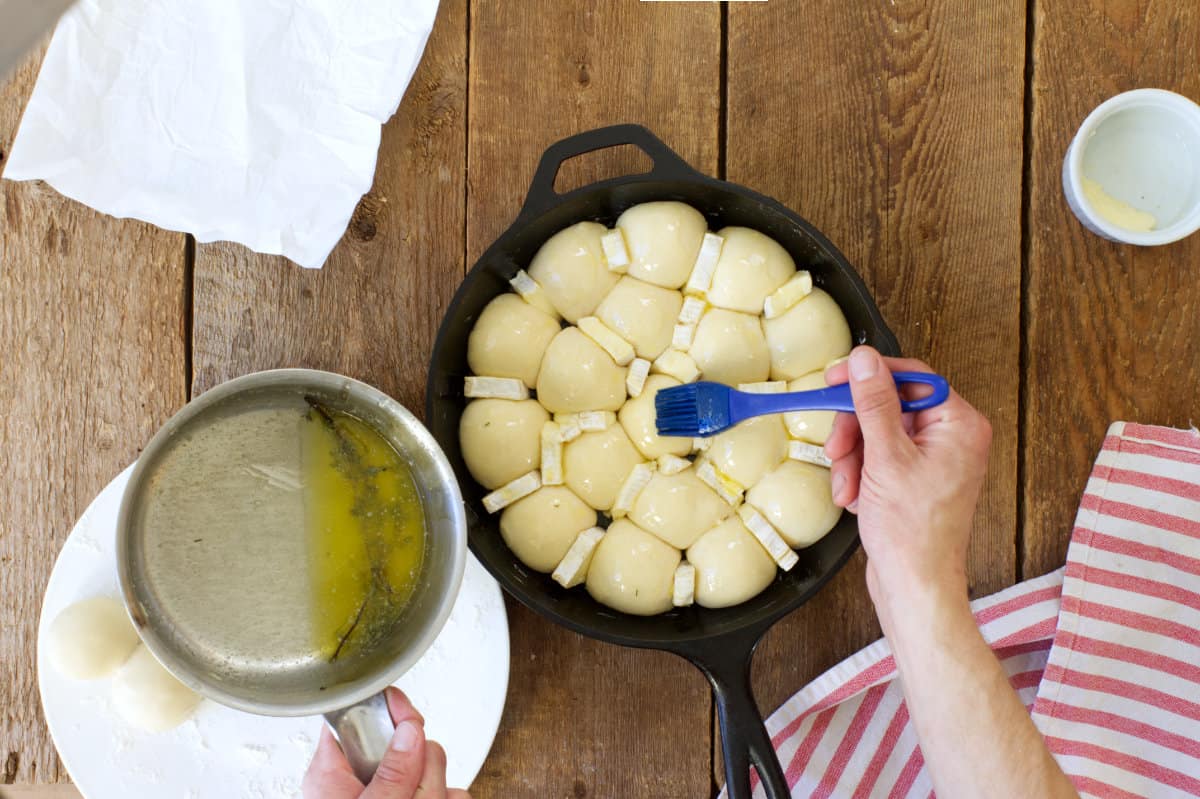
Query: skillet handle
{"x": 744, "y": 738}
{"x": 364, "y": 730}
{"x": 542, "y": 196}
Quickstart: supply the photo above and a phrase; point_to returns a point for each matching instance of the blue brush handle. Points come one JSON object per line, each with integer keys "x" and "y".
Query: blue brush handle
{"x": 743, "y": 405}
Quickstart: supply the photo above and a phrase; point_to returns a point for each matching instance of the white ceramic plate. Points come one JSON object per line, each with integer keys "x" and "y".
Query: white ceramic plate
{"x": 459, "y": 686}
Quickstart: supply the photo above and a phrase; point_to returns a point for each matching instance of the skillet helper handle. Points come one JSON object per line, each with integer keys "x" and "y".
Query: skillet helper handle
{"x": 835, "y": 398}
{"x": 744, "y": 738}
{"x": 364, "y": 730}
{"x": 542, "y": 196}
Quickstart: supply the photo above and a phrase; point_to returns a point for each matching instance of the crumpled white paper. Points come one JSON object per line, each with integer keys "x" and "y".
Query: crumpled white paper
{"x": 255, "y": 121}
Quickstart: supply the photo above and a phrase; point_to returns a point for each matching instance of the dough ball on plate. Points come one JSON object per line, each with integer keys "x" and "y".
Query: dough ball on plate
{"x": 663, "y": 240}
{"x": 731, "y": 566}
{"x": 90, "y": 638}
{"x": 577, "y": 375}
{"x": 596, "y": 464}
{"x": 750, "y": 450}
{"x": 751, "y": 266}
{"x": 500, "y": 439}
{"x": 811, "y": 426}
{"x": 638, "y": 418}
{"x": 571, "y": 268}
{"x": 148, "y": 696}
{"x": 729, "y": 348}
{"x": 642, "y": 314}
{"x": 809, "y": 335}
{"x": 509, "y": 339}
{"x": 632, "y": 571}
{"x": 540, "y": 528}
{"x": 797, "y": 499}
{"x": 678, "y": 508}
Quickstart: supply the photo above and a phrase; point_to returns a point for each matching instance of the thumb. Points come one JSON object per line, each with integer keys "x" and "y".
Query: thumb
{"x": 403, "y": 763}
{"x": 876, "y": 402}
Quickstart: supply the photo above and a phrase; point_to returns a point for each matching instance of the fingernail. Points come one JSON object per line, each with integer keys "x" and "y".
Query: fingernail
{"x": 406, "y": 736}
{"x": 864, "y": 363}
{"x": 839, "y": 482}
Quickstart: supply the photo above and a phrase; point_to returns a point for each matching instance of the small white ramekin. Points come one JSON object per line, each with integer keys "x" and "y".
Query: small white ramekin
{"x": 1143, "y": 148}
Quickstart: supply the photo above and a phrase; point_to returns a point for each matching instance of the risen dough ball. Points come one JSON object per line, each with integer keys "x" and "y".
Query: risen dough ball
{"x": 596, "y": 464}
{"x": 643, "y": 314}
{"x": 572, "y": 270}
{"x": 500, "y": 439}
{"x": 797, "y": 499}
{"x": 750, "y": 268}
{"x": 540, "y": 528}
{"x": 809, "y": 335}
{"x": 147, "y": 696}
{"x": 729, "y": 348}
{"x": 750, "y": 450}
{"x": 577, "y": 375}
{"x": 663, "y": 240}
{"x": 90, "y": 639}
{"x": 811, "y": 426}
{"x": 632, "y": 571}
{"x": 731, "y": 566}
{"x": 678, "y": 508}
{"x": 509, "y": 339}
{"x": 638, "y": 418}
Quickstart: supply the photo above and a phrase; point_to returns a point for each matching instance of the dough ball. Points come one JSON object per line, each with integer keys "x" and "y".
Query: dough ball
{"x": 751, "y": 266}
{"x": 632, "y": 571}
{"x": 809, "y": 335}
{"x": 750, "y": 450}
{"x": 500, "y": 439}
{"x": 572, "y": 270}
{"x": 509, "y": 339}
{"x": 811, "y": 426}
{"x": 596, "y": 464}
{"x": 638, "y": 418}
{"x": 678, "y": 508}
{"x": 729, "y": 348}
{"x": 796, "y": 497}
{"x": 663, "y": 240}
{"x": 148, "y": 696}
{"x": 731, "y": 566}
{"x": 90, "y": 639}
{"x": 577, "y": 375}
{"x": 642, "y": 314}
{"x": 540, "y": 528}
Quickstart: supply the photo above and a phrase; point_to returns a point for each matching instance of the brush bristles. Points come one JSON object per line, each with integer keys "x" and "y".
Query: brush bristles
{"x": 689, "y": 410}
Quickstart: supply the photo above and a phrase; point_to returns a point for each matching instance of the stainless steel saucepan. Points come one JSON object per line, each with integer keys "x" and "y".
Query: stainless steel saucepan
{"x": 225, "y": 605}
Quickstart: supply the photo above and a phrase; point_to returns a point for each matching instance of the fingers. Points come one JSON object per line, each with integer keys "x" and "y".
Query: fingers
{"x": 844, "y": 437}
{"x": 329, "y": 776}
{"x": 401, "y": 708}
{"x": 840, "y": 372}
{"x": 457, "y": 793}
{"x": 403, "y": 764}
{"x": 877, "y": 405}
{"x": 433, "y": 781}
{"x": 846, "y": 477}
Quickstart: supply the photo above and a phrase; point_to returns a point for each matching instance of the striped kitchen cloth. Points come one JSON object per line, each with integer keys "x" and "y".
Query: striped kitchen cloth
{"x": 1105, "y": 652}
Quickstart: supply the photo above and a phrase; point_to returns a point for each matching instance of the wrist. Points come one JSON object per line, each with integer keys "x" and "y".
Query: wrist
{"x": 914, "y": 606}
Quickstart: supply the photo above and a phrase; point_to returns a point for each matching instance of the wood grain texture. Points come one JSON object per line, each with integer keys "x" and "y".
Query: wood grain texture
{"x": 63, "y": 791}
{"x": 1114, "y": 330}
{"x": 898, "y": 134}
{"x": 373, "y": 310}
{"x": 91, "y": 364}
{"x": 585, "y": 718}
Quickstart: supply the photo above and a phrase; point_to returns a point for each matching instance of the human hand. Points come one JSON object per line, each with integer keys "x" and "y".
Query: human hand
{"x": 412, "y": 768}
{"x": 912, "y": 479}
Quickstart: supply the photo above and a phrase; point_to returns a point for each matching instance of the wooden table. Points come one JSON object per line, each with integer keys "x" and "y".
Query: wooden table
{"x": 925, "y": 138}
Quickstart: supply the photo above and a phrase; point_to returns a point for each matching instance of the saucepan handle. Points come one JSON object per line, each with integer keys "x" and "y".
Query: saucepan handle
{"x": 364, "y": 731}
{"x": 542, "y": 196}
{"x": 744, "y": 738}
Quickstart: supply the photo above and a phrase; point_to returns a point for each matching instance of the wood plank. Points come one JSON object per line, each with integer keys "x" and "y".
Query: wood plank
{"x": 92, "y": 336}
{"x": 1114, "y": 330}
{"x": 585, "y": 718}
{"x": 61, "y": 791}
{"x": 892, "y": 128}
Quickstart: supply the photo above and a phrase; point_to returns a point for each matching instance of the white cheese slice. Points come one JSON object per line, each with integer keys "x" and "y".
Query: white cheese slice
{"x": 692, "y": 310}
{"x": 701, "y": 443}
{"x": 672, "y": 464}
{"x": 596, "y": 421}
{"x": 573, "y": 568}
{"x": 808, "y": 453}
{"x": 635, "y": 378}
{"x": 568, "y": 426}
{"x": 682, "y": 337}
{"x": 531, "y": 291}
{"x": 706, "y": 265}
{"x": 620, "y": 349}
{"x": 678, "y": 365}
{"x": 639, "y": 478}
{"x": 552, "y": 454}
{"x": 769, "y": 537}
{"x": 787, "y": 295}
{"x": 684, "y": 593}
{"x": 509, "y": 388}
{"x": 766, "y": 387}
{"x": 506, "y": 495}
{"x": 616, "y": 254}
{"x": 726, "y": 487}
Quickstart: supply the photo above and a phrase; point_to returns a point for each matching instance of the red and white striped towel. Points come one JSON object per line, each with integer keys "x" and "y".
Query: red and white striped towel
{"x": 1105, "y": 651}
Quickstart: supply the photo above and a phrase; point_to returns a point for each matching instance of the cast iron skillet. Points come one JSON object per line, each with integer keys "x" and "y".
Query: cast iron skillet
{"x": 719, "y": 642}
